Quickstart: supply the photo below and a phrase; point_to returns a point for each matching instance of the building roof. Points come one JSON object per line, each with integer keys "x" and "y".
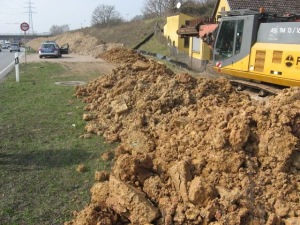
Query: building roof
{"x": 206, "y": 29}
{"x": 191, "y": 29}
{"x": 279, "y": 7}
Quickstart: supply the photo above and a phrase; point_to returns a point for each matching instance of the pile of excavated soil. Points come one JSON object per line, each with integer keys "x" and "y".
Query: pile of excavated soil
{"x": 79, "y": 43}
{"x": 192, "y": 150}
{"x": 121, "y": 55}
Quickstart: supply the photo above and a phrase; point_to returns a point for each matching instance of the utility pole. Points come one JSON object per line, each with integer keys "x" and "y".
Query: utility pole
{"x": 30, "y": 21}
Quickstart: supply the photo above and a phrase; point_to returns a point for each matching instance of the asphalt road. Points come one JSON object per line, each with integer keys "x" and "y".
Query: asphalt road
{"x": 7, "y": 62}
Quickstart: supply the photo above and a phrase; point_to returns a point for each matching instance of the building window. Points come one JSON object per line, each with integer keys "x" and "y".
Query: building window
{"x": 196, "y": 44}
{"x": 186, "y": 42}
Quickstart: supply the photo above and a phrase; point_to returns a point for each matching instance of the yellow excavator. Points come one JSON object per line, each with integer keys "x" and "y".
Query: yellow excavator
{"x": 258, "y": 48}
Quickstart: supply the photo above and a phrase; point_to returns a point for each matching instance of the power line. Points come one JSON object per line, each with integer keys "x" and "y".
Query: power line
{"x": 30, "y": 20}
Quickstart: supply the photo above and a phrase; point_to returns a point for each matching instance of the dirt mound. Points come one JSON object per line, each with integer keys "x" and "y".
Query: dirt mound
{"x": 121, "y": 55}
{"x": 79, "y": 43}
{"x": 192, "y": 150}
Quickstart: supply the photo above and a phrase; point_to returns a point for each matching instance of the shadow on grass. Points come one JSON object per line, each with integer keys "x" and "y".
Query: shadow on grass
{"x": 43, "y": 159}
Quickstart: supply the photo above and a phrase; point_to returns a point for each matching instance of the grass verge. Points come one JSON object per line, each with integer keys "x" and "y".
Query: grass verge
{"x": 40, "y": 148}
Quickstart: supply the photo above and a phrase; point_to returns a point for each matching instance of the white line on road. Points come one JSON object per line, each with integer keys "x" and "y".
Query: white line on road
{"x": 6, "y": 68}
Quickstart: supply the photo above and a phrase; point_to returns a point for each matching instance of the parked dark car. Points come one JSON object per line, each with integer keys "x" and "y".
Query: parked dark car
{"x": 51, "y": 49}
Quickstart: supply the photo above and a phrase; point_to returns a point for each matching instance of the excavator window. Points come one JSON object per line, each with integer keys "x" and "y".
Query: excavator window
{"x": 239, "y": 36}
{"x": 229, "y": 39}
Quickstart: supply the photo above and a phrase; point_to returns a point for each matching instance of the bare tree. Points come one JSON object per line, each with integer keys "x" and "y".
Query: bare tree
{"x": 55, "y": 30}
{"x": 154, "y": 7}
{"x": 105, "y": 15}
{"x": 199, "y": 8}
{"x": 162, "y": 8}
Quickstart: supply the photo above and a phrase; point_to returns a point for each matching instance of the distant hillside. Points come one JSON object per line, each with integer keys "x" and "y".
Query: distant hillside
{"x": 94, "y": 40}
{"x": 130, "y": 33}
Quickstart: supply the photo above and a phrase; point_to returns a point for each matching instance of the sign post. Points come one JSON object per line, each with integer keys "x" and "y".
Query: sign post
{"x": 24, "y": 27}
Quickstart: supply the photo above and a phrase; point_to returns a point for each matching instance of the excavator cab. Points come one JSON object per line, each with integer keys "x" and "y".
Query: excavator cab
{"x": 229, "y": 40}
{"x": 235, "y": 36}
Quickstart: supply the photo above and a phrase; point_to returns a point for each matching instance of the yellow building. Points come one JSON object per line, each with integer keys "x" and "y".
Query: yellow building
{"x": 170, "y": 31}
{"x": 182, "y": 33}
{"x": 200, "y": 52}
{"x": 221, "y": 6}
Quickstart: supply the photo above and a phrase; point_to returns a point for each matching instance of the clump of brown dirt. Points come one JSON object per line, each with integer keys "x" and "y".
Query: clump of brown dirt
{"x": 121, "y": 55}
{"x": 192, "y": 150}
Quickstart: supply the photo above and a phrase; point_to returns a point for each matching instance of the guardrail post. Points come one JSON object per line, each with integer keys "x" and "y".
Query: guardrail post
{"x": 17, "y": 66}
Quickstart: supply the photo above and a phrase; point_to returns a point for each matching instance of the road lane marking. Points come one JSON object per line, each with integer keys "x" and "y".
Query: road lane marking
{"x": 6, "y": 68}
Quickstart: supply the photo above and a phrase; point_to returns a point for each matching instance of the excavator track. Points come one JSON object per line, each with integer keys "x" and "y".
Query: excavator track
{"x": 263, "y": 89}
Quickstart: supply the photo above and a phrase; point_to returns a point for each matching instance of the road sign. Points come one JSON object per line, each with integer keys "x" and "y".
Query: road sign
{"x": 24, "y": 26}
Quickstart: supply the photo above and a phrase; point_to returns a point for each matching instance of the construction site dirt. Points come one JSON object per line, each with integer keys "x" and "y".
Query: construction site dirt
{"x": 192, "y": 150}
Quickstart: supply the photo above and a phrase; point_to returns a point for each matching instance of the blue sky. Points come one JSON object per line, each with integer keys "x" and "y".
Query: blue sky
{"x": 46, "y": 13}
